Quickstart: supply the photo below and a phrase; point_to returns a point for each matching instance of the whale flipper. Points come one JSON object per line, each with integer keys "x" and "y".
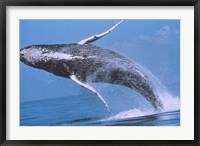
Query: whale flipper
{"x": 74, "y": 78}
{"x": 98, "y": 36}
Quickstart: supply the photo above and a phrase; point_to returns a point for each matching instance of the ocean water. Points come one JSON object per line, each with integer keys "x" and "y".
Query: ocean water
{"x": 88, "y": 110}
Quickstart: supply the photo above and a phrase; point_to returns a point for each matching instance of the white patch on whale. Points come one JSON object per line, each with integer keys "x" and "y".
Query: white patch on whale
{"x": 59, "y": 56}
{"x": 38, "y": 54}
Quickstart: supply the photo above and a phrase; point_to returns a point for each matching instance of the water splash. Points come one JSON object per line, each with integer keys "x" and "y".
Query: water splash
{"x": 129, "y": 114}
{"x": 170, "y": 104}
{"x": 169, "y": 101}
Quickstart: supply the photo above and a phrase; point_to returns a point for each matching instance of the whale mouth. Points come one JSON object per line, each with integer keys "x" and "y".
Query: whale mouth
{"x": 25, "y": 53}
{"x": 21, "y": 53}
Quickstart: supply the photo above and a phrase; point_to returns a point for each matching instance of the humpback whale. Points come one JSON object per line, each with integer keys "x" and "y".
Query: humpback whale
{"x": 86, "y": 63}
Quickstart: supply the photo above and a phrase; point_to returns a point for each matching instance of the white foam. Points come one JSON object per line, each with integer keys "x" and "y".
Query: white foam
{"x": 170, "y": 102}
{"x": 129, "y": 114}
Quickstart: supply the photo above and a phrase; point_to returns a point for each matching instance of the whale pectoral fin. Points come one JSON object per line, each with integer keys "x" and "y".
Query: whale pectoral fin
{"x": 73, "y": 78}
{"x": 98, "y": 36}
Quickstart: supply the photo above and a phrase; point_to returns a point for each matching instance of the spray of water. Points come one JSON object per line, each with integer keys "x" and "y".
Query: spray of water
{"x": 170, "y": 102}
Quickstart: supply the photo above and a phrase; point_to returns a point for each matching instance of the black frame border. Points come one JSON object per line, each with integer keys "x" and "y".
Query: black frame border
{"x": 5, "y": 3}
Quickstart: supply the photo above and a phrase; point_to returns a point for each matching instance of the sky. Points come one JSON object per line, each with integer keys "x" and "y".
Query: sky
{"x": 154, "y": 44}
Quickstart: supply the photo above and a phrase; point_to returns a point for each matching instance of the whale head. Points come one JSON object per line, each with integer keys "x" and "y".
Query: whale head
{"x": 52, "y": 58}
{"x": 32, "y": 55}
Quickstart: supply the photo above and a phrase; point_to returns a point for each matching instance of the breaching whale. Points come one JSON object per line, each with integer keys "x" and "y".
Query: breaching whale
{"x": 85, "y": 63}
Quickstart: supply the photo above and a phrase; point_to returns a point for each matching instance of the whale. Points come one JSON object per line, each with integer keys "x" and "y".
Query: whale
{"x": 90, "y": 64}
{"x": 85, "y": 63}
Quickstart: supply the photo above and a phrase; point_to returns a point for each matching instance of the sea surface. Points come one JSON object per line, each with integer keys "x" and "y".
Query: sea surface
{"x": 88, "y": 111}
